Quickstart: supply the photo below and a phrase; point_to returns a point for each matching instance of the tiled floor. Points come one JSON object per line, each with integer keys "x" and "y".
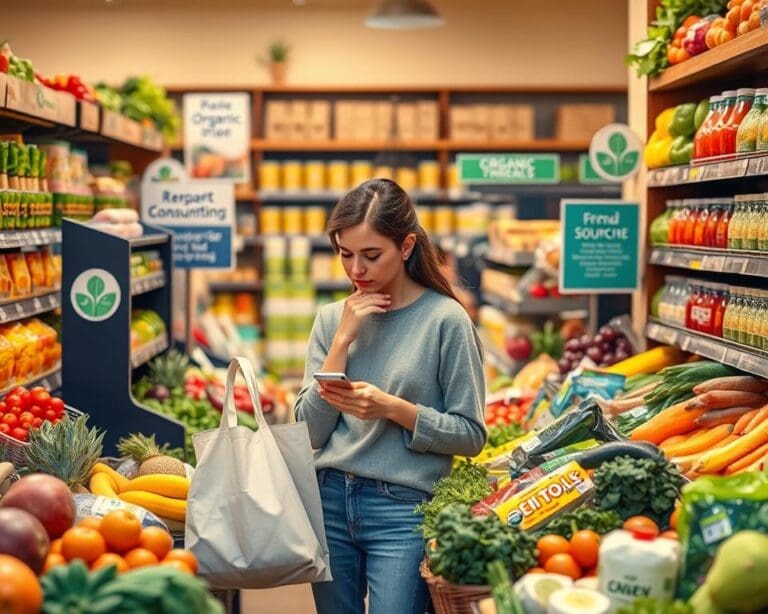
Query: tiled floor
{"x": 283, "y": 600}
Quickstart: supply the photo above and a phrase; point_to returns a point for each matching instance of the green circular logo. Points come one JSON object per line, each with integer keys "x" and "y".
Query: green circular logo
{"x": 614, "y": 152}
{"x": 95, "y": 295}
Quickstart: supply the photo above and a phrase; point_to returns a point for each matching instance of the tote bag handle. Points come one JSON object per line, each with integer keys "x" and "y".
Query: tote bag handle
{"x": 229, "y": 412}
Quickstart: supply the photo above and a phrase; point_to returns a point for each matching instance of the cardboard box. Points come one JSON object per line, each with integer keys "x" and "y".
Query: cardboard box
{"x": 460, "y": 128}
{"x": 500, "y": 126}
{"x": 481, "y": 121}
{"x": 319, "y": 120}
{"x": 427, "y": 121}
{"x": 384, "y": 120}
{"x": 343, "y": 120}
{"x": 522, "y": 122}
{"x": 576, "y": 122}
{"x": 406, "y": 121}
{"x": 277, "y": 120}
{"x": 364, "y": 118}
{"x": 299, "y": 116}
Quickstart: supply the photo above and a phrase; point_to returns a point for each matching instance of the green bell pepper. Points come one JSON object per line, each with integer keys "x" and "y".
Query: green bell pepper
{"x": 683, "y": 121}
{"x": 681, "y": 150}
{"x": 702, "y": 110}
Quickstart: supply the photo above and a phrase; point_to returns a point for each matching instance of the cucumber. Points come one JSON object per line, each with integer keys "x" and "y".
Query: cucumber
{"x": 591, "y": 459}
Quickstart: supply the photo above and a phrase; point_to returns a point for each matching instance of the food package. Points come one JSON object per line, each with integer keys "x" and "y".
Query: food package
{"x": 533, "y": 374}
{"x": 6, "y": 363}
{"x": 22, "y": 282}
{"x": 24, "y": 347}
{"x": 50, "y": 274}
{"x": 96, "y": 505}
{"x": 36, "y": 270}
{"x": 6, "y": 282}
{"x": 46, "y": 343}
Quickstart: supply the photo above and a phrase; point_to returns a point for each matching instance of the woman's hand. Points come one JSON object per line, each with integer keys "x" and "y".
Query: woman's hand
{"x": 357, "y": 307}
{"x": 367, "y": 402}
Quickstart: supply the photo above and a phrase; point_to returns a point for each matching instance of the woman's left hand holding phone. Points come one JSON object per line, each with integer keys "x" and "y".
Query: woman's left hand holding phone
{"x": 359, "y": 399}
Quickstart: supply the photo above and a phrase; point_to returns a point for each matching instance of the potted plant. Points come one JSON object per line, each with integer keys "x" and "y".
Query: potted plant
{"x": 278, "y": 56}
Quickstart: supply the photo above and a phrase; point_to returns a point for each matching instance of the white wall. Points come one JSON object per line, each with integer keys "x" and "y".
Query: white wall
{"x": 523, "y": 42}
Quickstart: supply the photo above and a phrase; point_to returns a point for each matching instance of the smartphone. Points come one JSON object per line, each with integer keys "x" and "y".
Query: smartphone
{"x": 332, "y": 377}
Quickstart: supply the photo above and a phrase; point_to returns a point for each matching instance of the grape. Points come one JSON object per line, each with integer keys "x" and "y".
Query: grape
{"x": 606, "y": 347}
{"x": 598, "y": 340}
{"x": 622, "y": 343}
{"x": 585, "y": 342}
{"x": 621, "y": 355}
{"x": 608, "y": 333}
{"x": 595, "y": 354}
{"x": 572, "y": 345}
{"x": 564, "y": 365}
{"x": 608, "y": 359}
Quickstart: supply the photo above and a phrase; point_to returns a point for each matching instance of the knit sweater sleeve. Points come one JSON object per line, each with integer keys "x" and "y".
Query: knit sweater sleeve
{"x": 321, "y": 418}
{"x": 458, "y": 428}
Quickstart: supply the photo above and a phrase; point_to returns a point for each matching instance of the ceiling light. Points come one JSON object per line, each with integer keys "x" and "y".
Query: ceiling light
{"x": 404, "y": 15}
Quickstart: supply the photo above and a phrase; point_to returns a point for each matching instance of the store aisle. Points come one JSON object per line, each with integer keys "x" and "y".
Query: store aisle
{"x": 282, "y": 600}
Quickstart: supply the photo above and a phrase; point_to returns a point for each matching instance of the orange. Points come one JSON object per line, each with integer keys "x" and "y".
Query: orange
{"x": 53, "y": 560}
{"x": 110, "y": 558}
{"x": 94, "y": 522}
{"x": 157, "y": 541}
{"x": 549, "y": 545}
{"x": 82, "y": 543}
{"x": 585, "y": 546}
{"x": 563, "y": 564}
{"x": 140, "y": 557}
{"x": 185, "y": 556}
{"x": 641, "y": 522}
{"x": 121, "y": 530}
{"x": 674, "y": 517}
{"x": 20, "y": 589}
{"x": 55, "y": 547}
{"x": 670, "y": 535}
{"x": 537, "y": 570}
{"x": 180, "y": 565}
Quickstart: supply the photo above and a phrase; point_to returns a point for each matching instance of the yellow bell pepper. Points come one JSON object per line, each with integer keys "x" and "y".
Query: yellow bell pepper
{"x": 664, "y": 121}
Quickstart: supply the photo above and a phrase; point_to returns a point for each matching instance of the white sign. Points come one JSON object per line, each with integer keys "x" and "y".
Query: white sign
{"x": 95, "y": 295}
{"x": 200, "y": 213}
{"x": 217, "y": 136}
{"x": 614, "y": 152}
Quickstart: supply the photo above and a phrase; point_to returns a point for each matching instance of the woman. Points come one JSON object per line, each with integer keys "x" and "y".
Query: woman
{"x": 416, "y": 399}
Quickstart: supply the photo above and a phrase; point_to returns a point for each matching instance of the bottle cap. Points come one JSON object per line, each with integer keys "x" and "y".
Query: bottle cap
{"x": 745, "y": 91}
{"x": 729, "y": 93}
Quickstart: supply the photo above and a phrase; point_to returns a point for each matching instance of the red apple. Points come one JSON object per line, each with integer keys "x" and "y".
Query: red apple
{"x": 22, "y": 536}
{"x": 519, "y": 348}
{"x": 45, "y": 497}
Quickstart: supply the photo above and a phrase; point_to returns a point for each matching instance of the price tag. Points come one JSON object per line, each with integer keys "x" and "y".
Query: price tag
{"x": 716, "y": 527}
{"x": 19, "y": 309}
{"x": 695, "y": 173}
{"x": 3, "y": 315}
{"x": 53, "y": 301}
{"x": 37, "y": 304}
{"x": 736, "y": 264}
{"x": 695, "y": 264}
{"x": 713, "y": 263}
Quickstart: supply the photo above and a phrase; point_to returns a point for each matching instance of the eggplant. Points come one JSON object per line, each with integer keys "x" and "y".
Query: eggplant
{"x": 591, "y": 459}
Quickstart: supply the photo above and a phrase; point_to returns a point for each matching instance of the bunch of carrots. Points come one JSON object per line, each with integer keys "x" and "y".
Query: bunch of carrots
{"x": 721, "y": 430}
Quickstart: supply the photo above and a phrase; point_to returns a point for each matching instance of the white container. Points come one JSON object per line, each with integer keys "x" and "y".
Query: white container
{"x": 636, "y": 564}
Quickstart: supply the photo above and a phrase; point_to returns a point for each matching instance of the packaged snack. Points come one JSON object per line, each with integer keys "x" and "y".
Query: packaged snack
{"x": 6, "y": 363}
{"x": 96, "y": 505}
{"x": 24, "y": 345}
{"x": 49, "y": 269}
{"x": 6, "y": 282}
{"x": 36, "y": 270}
{"x": 22, "y": 282}
{"x": 536, "y": 460}
{"x": 586, "y": 385}
{"x": 46, "y": 342}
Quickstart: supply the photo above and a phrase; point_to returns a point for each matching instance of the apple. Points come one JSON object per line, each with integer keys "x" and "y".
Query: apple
{"x": 45, "y": 497}
{"x": 22, "y": 536}
{"x": 519, "y": 348}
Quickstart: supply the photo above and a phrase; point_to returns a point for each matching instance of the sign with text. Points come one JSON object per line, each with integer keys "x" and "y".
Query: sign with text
{"x": 600, "y": 246}
{"x": 587, "y": 172}
{"x": 508, "y": 168}
{"x": 199, "y": 212}
{"x": 217, "y": 136}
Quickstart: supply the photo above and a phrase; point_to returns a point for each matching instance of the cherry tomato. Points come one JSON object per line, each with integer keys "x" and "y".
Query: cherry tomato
{"x": 19, "y": 433}
{"x": 38, "y": 388}
{"x": 27, "y": 417}
{"x": 19, "y": 390}
{"x": 36, "y": 422}
{"x": 56, "y": 405}
{"x": 50, "y": 415}
{"x": 13, "y": 400}
{"x": 26, "y": 400}
{"x": 3, "y": 407}
{"x": 37, "y": 411}
{"x": 10, "y": 419}
{"x": 4, "y": 428}
{"x": 15, "y": 410}
{"x": 40, "y": 397}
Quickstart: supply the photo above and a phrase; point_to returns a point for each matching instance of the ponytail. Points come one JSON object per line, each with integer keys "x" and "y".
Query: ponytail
{"x": 423, "y": 266}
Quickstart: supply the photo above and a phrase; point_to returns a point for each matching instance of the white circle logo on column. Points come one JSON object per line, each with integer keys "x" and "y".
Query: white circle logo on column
{"x": 95, "y": 295}
{"x": 615, "y": 152}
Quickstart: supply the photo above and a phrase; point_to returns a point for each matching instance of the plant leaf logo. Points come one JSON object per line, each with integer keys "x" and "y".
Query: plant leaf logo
{"x": 96, "y": 303}
{"x": 617, "y": 161}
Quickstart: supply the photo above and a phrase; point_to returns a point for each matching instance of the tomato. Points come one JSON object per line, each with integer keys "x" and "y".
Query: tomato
{"x": 40, "y": 397}
{"x": 36, "y": 422}
{"x": 37, "y": 411}
{"x": 670, "y": 535}
{"x": 50, "y": 415}
{"x": 15, "y": 410}
{"x": 13, "y": 400}
{"x": 585, "y": 546}
{"x": 10, "y": 419}
{"x": 642, "y": 523}
{"x": 3, "y": 407}
{"x": 19, "y": 390}
{"x": 57, "y": 405}
{"x": 27, "y": 417}
{"x": 503, "y": 412}
{"x": 4, "y": 428}
{"x": 38, "y": 388}
{"x": 26, "y": 400}
{"x": 19, "y": 433}
{"x": 563, "y": 564}
{"x": 550, "y": 545}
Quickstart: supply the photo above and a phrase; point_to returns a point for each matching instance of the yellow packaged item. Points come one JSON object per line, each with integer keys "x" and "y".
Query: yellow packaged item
{"x": 6, "y": 363}
{"x": 269, "y": 176}
{"x": 383, "y": 172}
{"x": 6, "y": 282}
{"x": 338, "y": 175}
{"x": 429, "y": 176}
{"x": 22, "y": 282}
{"x": 292, "y": 221}
{"x": 314, "y": 175}
{"x": 406, "y": 177}
{"x": 314, "y": 221}
{"x": 46, "y": 339}
{"x": 362, "y": 171}
{"x": 49, "y": 269}
{"x": 557, "y": 492}
{"x": 443, "y": 220}
{"x": 36, "y": 270}
{"x": 270, "y": 220}
{"x": 24, "y": 347}
{"x": 292, "y": 176}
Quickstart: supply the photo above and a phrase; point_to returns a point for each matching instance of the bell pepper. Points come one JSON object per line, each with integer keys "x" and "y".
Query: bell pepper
{"x": 656, "y": 153}
{"x": 683, "y": 122}
{"x": 702, "y": 109}
{"x": 681, "y": 150}
{"x": 664, "y": 121}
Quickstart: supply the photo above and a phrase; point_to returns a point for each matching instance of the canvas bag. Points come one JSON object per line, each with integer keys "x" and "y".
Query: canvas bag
{"x": 254, "y": 516}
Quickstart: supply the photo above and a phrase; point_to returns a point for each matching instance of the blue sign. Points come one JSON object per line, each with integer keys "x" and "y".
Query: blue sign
{"x": 200, "y": 213}
{"x": 600, "y": 246}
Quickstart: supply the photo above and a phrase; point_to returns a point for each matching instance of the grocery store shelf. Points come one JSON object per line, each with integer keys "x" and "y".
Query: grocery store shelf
{"x": 333, "y": 286}
{"x": 744, "y": 54}
{"x": 715, "y": 260}
{"x": 145, "y": 353}
{"x": 514, "y": 259}
{"x": 10, "y": 239}
{"x": 736, "y": 355}
{"x": 149, "y": 239}
{"x": 314, "y": 240}
{"x": 537, "y": 306}
{"x": 235, "y": 286}
{"x": 748, "y": 165}
{"x": 425, "y": 145}
{"x": 147, "y": 283}
{"x": 50, "y": 380}
{"x": 30, "y": 306}
{"x": 497, "y": 357}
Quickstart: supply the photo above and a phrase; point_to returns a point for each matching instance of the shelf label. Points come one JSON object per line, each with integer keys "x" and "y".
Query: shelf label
{"x": 601, "y": 245}
{"x": 121, "y": 128}
{"x": 508, "y": 168}
{"x": 3, "y": 315}
{"x": 40, "y": 101}
{"x": 200, "y": 213}
{"x": 89, "y": 116}
{"x": 217, "y": 136}
{"x": 758, "y": 166}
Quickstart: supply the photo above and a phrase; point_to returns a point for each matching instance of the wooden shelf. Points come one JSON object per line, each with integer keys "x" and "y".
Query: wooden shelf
{"x": 404, "y": 89}
{"x": 747, "y": 53}
{"x": 436, "y": 145}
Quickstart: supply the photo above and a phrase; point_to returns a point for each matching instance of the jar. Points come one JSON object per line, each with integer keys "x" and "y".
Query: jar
{"x": 314, "y": 176}
{"x": 269, "y": 176}
{"x": 270, "y": 221}
{"x": 746, "y": 135}
{"x": 292, "y": 176}
{"x": 744, "y": 98}
{"x": 362, "y": 171}
{"x": 338, "y": 175}
{"x": 292, "y": 221}
{"x": 429, "y": 176}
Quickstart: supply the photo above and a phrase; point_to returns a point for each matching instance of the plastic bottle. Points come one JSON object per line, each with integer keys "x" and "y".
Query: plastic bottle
{"x": 700, "y": 223}
{"x": 721, "y": 304}
{"x": 746, "y": 135}
{"x": 752, "y": 225}
{"x": 701, "y": 141}
{"x": 744, "y": 98}
{"x": 690, "y": 213}
{"x": 747, "y": 307}
{"x": 736, "y": 226}
{"x": 731, "y": 314}
{"x": 723, "y": 225}
{"x": 717, "y": 144}
{"x": 637, "y": 564}
{"x": 710, "y": 231}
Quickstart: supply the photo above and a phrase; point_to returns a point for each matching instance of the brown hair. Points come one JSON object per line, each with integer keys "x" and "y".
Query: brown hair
{"x": 390, "y": 212}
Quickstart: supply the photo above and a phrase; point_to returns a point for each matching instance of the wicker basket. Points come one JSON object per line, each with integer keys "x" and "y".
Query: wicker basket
{"x": 452, "y": 598}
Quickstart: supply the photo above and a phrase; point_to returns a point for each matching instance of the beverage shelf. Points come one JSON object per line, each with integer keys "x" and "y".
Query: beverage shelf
{"x": 749, "y": 165}
{"x": 736, "y": 262}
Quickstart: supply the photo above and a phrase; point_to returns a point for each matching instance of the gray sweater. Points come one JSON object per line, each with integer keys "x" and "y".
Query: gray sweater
{"x": 427, "y": 353}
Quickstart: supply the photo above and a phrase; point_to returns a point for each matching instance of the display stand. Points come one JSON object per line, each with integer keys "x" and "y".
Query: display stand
{"x": 98, "y": 361}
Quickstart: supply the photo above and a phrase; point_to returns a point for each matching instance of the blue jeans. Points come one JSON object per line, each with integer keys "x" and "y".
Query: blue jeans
{"x": 373, "y": 542}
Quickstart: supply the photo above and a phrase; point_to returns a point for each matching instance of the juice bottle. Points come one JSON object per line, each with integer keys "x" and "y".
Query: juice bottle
{"x": 744, "y": 98}
{"x": 762, "y": 233}
{"x": 756, "y": 323}
{"x": 746, "y": 135}
{"x": 743, "y": 324}
{"x": 721, "y": 304}
{"x": 736, "y": 227}
{"x": 691, "y": 212}
{"x": 700, "y": 223}
{"x": 693, "y": 295}
{"x": 752, "y": 226}
{"x": 762, "y": 130}
{"x": 701, "y": 143}
{"x": 671, "y": 227}
{"x": 723, "y": 225}
{"x": 716, "y": 141}
{"x": 704, "y": 310}
{"x": 710, "y": 232}
{"x": 730, "y": 314}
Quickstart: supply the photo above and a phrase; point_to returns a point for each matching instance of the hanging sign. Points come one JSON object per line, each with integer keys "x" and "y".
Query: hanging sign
{"x": 614, "y": 152}
{"x": 199, "y": 212}
{"x": 217, "y": 136}
{"x": 600, "y": 246}
{"x": 509, "y": 168}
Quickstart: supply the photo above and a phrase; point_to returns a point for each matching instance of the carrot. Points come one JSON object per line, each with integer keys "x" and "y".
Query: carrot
{"x": 699, "y": 443}
{"x": 677, "y": 439}
{"x": 685, "y": 463}
{"x": 742, "y": 422}
{"x": 718, "y": 399}
{"x": 720, "y": 458}
{"x": 744, "y": 383}
{"x": 759, "y": 417}
{"x": 675, "y": 420}
{"x": 723, "y": 416}
{"x": 746, "y": 460}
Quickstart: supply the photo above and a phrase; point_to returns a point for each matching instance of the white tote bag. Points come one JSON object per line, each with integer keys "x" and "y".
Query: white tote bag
{"x": 254, "y": 516}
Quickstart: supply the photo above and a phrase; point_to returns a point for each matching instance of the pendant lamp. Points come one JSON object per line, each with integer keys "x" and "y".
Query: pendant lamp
{"x": 404, "y": 15}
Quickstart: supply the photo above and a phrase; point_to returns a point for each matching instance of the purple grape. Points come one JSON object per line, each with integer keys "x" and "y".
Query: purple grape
{"x": 608, "y": 359}
{"x": 598, "y": 340}
{"x": 621, "y": 355}
{"x": 572, "y": 345}
{"x": 606, "y": 347}
{"x": 623, "y": 344}
{"x": 608, "y": 333}
{"x": 585, "y": 342}
{"x": 564, "y": 365}
{"x": 595, "y": 354}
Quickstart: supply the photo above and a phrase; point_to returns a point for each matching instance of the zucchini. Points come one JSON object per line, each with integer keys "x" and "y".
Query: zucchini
{"x": 591, "y": 459}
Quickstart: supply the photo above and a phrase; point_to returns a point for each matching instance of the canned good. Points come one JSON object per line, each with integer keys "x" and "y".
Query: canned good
{"x": 338, "y": 175}
{"x": 362, "y": 171}
{"x": 429, "y": 176}
{"x": 292, "y": 220}
{"x": 314, "y": 176}
{"x": 426, "y": 218}
{"x": 406, "y": 177}
{"x": 291, "y": 175}
{"x": 269, "y": 175}
{"x": 453, "y": 177}
{"x": 270, "y": 220}
{"x": 383, "y": 172}
{"x": 314, "y": 221}
{"x": 443, "y": 220}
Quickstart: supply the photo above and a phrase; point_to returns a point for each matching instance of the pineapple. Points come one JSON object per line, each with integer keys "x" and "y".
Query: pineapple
{"x": 67, "y": 450}
{"x": 166, "y": 372}
{"x": 145, "y": 451}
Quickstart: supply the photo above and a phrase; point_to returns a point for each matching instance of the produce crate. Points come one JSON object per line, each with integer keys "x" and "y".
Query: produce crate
{"x": 16, "y": 451}
{"x": 452, "y": 598}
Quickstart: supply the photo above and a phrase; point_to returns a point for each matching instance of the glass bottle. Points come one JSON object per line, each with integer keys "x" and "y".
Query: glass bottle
{"x": 752, "y": 226}
{"x": 723, "y": 225}
{"x": 700, "y": 223}
{"x": 721, "y": 304}
{"x": 691, "y": 211}
{"x": 746, "y": 135}
{"x": 736, "y": 225}
{"x": 731, "y": 314}
{"x": 701, "y": 141}
{"x": 690, "y": 304}
{"x": 742, "y": 328}
{"x": 744, "y": 99}
{"x": 762, "y": 233}
{"x": 710, "y": 232}
{"x": 717, "y": 143}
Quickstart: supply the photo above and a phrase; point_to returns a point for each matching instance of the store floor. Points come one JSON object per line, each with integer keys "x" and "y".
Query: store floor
{"x": 283, "y": 600}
